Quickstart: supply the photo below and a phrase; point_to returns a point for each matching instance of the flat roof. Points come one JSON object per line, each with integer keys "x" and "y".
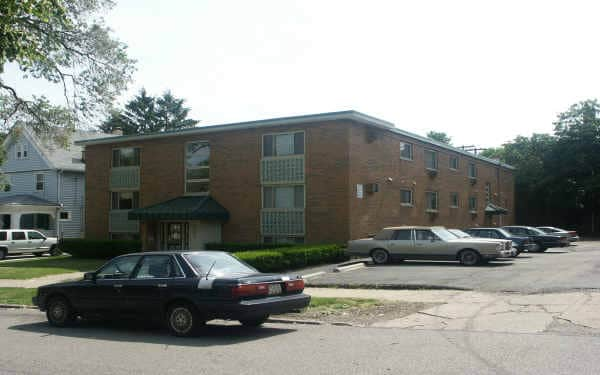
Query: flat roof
{"x": 292, "y": 120}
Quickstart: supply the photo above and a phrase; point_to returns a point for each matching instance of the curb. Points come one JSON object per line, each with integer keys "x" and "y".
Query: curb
{"x": 11, "y": 306}
{"x": 388, "y": 286}
{"x": 350, "y": 267}
{"x": 294, "y": 321}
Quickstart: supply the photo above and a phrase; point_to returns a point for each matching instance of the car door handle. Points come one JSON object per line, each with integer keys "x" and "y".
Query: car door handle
{"x": 162, "y": 285}
{"x": 118, "y": 285}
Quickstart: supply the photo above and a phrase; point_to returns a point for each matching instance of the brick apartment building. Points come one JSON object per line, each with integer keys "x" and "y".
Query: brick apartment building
{"x": 318, "y": 178}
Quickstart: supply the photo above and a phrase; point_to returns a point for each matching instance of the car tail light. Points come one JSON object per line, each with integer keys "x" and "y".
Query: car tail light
{"x": 249, "y": 290}
{"x": 294, "y": 285}
{"x": 573, "y": 233}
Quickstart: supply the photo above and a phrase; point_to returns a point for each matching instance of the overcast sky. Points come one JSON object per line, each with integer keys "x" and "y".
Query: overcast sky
{"x": 482, "y": 71}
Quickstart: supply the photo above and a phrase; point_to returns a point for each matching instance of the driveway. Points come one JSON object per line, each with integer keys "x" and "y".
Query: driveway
{"x": 573, "y": 268}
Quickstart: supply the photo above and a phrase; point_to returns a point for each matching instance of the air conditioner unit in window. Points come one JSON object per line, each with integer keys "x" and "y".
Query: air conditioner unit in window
{"x": 372, "y": 188}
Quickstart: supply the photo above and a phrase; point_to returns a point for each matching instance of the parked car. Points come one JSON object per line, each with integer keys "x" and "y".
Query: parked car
{"x": 571, "y": 234}
{"x": 543, "y": 240}
{"x": 20, "y": 241}
{"x": 434, "y": 243}
{"x": 508, "y": 244}
{"x": 183, "y": 289}
{"x": 521, "y": 243}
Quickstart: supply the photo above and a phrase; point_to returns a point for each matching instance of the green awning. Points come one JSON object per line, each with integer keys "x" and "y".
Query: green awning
{"x": 182, "y": 208}
{"x": 492, "y": 209}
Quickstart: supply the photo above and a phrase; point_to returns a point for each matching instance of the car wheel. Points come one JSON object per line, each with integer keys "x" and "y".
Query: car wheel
{"x": 542, "y": 249}
{"x": 38, "y": 254}
{"x": 380, "y": 256}
{"x": 2, "y": 254}
{"x": 182, "y": 320}
{"x": 54, "y": 251}
{"x": 59, "y": 312}
{"x": 254, "y": 322}
{"x": 469, "y": 258}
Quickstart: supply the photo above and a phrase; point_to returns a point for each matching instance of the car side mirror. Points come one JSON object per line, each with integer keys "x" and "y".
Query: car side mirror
{"x": 91, "y": 276}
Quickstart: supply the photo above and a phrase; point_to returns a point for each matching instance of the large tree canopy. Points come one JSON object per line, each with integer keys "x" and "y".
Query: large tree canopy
{"x": 66, "y": 43}
{"x": 148, "y": 114}
{"x": 558, "y": 176}
{"x": 439, "y": 136}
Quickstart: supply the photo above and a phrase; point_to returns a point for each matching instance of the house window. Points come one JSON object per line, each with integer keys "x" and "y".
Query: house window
{"x": 454, "y": 162}
{"x": 488, "y": 192}
{"x": 197, "y": 167}
{"x": 283, "y": 144}
{"x": 453, "y": 200}
{"x": 406, "y": 151}
{"x": 65, "y": 215}
{"x": 126, "y": 157}
{"x": 431, "y": 161}
{"x": 125, "y": 200}
{"x": 21, "y": 150}
{"x": 472, "y": 203}
{"x": 283, "y": 196}
{"x": 39, "y": 182}
{"x": 406, "y": 197}
{"x": 283, "y": 239}
{"x": 472, "y": 170}
{"x": 431, "y": 198}
{"x": 35, "y": 221}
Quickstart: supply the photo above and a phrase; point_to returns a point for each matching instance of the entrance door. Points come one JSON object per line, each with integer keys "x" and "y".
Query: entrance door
{"x": 175, "y": 236}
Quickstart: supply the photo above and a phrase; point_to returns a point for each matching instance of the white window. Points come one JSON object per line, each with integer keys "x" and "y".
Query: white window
{"x": 283, "y": 196}
{"x": 39, "y": 182}
{"x": 125, "y": 200}
{"x": 454, "y": 200}
{"x": 472, "y": 203}
{"x": 431, "y": 161}
{"x": 453, "y": 162}
{"x": 472, "y": 170}
{"x": 406, "y": 151}
{"x": 431, "y": 198}
{"x": 406, "y": 197}
{"x": 65, "y": 215}
{"x": 21, "y": 151}
{"x": 283, "y": 144}
{"x": 197, "y": 168}
{"x": 126, "y": 157}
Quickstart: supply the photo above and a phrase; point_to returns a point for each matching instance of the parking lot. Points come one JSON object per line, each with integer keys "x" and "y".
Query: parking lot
{"x": 560, "y": 269}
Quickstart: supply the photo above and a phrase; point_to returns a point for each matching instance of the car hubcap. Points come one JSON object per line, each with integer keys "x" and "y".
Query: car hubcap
{"x": 468, "y": 258}
{"x": 181, "y": 320}
{"x": 380, "y": 256}
{"x": 58, "y": 312}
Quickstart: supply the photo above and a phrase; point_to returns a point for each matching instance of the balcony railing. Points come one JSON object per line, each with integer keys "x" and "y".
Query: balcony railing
{"x": 287, "y": 169}
{"x": 118, "y": 222}
{"x": 125, "y": 178}
{"x": 282, "y": 221}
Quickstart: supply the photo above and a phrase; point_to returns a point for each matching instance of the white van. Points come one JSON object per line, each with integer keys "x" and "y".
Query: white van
{"x": 19, "y": 241}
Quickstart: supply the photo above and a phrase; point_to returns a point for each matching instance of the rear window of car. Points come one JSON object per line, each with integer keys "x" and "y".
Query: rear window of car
{"x": 3, "y": 236}
{"x": 18, "y": 235}
{"x": 402, "y": 235}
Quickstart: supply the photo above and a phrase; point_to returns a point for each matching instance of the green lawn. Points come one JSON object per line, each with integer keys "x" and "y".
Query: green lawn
{"x": 17, "y": 296}
{"x": 331, "y": 303}
{"x": 38, "y": 267}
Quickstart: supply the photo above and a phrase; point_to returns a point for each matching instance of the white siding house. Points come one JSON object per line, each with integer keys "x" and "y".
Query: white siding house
{"x": 43, "y": 184}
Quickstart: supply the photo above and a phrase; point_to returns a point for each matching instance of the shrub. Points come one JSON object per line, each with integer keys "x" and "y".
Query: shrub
{"x": 291, "y": 258}
{"x": 236, "y": 247}
{"x": 99, "y": 249}
{"x": 264, "y": 261}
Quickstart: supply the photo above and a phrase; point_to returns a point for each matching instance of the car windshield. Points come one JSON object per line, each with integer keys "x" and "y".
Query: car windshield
{"x": 537, "y": 231}
{"x": 444, "y": 234}
{"x": 224, "y": 264}
{"x": 459, "y": 233}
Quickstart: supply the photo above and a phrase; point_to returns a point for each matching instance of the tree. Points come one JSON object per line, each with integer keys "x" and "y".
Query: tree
{"x": 63, "y": 42}
{"x": 148, "y": 114}
{"x": 439, "y": 136}
{"x": 493, "y": 152}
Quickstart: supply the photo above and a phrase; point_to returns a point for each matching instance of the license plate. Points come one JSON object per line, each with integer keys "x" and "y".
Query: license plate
{"x": 274, "y": 289}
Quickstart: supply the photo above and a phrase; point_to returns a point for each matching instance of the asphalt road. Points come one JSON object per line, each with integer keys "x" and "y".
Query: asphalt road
{"x": 28, "y": 345}
{"x": 572, "y": 268}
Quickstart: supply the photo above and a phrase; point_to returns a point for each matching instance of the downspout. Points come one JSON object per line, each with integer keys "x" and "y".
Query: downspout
{"x": 60, "y": 204}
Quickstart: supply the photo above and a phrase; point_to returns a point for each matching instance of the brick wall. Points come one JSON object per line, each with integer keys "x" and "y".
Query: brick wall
{"x": 375, "y": 156}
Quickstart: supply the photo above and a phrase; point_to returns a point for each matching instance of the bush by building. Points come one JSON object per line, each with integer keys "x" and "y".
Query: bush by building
{"x": 99, "y": 249}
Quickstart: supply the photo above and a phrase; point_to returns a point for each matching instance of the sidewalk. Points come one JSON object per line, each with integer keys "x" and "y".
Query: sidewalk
{"x": 37, "y": 282}
{"x": 495, "y": 312}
